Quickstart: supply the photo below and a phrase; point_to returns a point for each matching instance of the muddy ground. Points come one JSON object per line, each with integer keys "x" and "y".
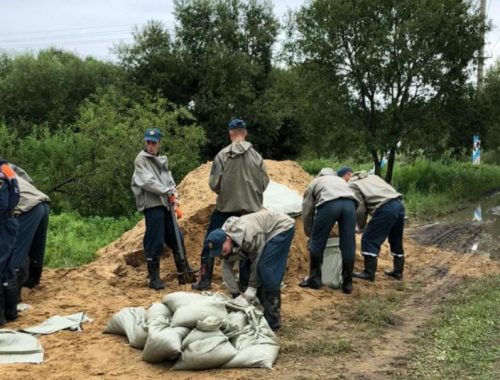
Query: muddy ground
{"x": 323, "y": 335}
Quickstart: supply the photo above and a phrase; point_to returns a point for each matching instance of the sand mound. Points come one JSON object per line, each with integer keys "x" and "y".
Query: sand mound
{"x": 124, "y": 257}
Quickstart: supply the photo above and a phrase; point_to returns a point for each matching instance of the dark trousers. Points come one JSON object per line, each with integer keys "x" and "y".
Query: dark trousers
{"x": 8, "y": 232}
{"x": 217, "y": 219}
{"x": 272, "y": 263}
{"x": 387, "y": 221}
{"x": 343, "y": 212}
{"x": 31, "y": 237}
{"x": 159, "y": 231}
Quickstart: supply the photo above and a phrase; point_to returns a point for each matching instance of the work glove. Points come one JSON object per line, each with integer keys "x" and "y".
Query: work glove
{"x": 241, "y": 300}
{"x": 7, "y": 171}
{"x": 172, "y": 199}
{"x": 250, "y": 294}
{"x": 178, "y": 212}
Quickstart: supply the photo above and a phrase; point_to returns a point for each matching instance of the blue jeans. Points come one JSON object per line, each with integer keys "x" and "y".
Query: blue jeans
{"x": 387, "y": 221}
{"x": 343, "y": 212}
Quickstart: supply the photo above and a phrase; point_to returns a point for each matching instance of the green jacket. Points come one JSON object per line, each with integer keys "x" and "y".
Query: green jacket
{"x": 372, "y": 192}
{"x": 239, "y": 178}
{"x": 250, "y": 234}
{"x": 30, "y": 195}
{"x": 151, "y": 181}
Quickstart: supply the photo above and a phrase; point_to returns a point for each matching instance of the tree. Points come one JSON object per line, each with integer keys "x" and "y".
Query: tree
{"x": 390, "y": 58}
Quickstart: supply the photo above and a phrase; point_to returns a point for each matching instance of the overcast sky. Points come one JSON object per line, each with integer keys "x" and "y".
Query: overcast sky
{"x": 92, "y": 27}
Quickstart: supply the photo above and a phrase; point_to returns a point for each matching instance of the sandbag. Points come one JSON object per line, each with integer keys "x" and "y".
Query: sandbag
{"x": 131, "y": 322}
{"x": 205, "y": 350}
{"x": 156, "y": 310}
{"x": 163, "y": 342}
{"x": 188, "y": 316}
{"x": 178, "y": 299}
{"x": 255, "y": 356}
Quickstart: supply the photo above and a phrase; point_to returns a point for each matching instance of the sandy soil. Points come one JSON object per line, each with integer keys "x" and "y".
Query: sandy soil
{"x": 117, "y": 279}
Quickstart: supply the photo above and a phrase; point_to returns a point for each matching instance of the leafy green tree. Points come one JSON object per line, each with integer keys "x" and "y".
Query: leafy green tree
{"x": 390, "y": 58}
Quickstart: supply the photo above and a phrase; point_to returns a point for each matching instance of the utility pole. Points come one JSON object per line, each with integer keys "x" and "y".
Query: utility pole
{"x": 480, "y": 59}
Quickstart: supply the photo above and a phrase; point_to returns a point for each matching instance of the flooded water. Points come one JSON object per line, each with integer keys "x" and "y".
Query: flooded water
{"x": 486, "y": 216}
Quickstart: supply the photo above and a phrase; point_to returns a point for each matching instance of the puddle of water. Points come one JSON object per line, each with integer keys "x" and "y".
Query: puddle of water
{"x": 487, "y": 213}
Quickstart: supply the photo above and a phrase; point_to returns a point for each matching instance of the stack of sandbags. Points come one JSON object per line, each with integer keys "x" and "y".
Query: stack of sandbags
{"x": 199, "y": 332}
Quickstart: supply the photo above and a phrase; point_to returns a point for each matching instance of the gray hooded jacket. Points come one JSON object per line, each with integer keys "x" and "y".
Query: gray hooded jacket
{"x": 250, "y": 234}
{"x": 30, "y": 195}
{"x": 239, "y": 178}
{"x": 151, "y": 181}
{"x": 327, "y": 186}
{"x": 372, "y": 192}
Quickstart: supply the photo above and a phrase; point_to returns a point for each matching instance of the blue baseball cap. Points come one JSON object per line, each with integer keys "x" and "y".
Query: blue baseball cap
{"x": 344, "y": 170}
{"x": 237, "y": 123}
{"x": 152, "y": 134}
{"x": 215, "y": 240}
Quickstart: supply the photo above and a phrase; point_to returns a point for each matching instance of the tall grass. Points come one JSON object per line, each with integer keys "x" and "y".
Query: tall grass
{"x": 430, "y": 188}
{"x": 73, "y": 240}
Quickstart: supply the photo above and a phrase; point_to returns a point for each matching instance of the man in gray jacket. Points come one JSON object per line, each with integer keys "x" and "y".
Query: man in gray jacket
{"x": 155, "y": 193}
{"x": 239, "y": 178}
{"x": 263, "y": 238}
{"x": 384, "y": 204}
{"x": 328, "y": 200}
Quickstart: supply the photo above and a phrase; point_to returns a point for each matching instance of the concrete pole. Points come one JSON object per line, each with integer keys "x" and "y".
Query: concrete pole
{"x": 480, "y": 58}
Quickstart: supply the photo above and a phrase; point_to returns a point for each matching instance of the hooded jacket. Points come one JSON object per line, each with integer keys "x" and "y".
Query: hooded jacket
{"x": 151, "y": 181}
{"x": 372, "y": 193}
{"x": 239, "y": 178}
{"x": 250, "y": 234}
{"x": 30, "y": 196}
{"x": 327, "y": 186}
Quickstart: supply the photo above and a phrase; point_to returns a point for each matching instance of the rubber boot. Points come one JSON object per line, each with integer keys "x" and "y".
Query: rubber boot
{"x": 2, "y": 307}
{"x": 184, "y": 272}
{"x": 272, "y": 308}
{"x": 370, "y": 268}
{"x": 20, "y": 277}
{"x": 206, "y": 271}
{"x": 34, "y": 275}
{"x": 347, "y": 268}
{"x": 154, "y": 274}
{"x": 10, "y": 300}
{"x": 314, "y": 279}
{"x": 399, "y": 265}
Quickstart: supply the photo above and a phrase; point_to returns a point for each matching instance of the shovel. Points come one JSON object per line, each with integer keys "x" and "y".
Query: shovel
{"x": 185, "y": 275}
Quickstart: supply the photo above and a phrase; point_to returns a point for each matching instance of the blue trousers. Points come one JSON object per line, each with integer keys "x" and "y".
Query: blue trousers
{"x": 387, "y": 222}
{"x": 8, "y": 232}
{"x": 272, "y": 263}
{"x": 343, "y": 212}
{"x": 217, "y": 219}
{"x": 159, "y": 231}
{"x": 32, "y": 236}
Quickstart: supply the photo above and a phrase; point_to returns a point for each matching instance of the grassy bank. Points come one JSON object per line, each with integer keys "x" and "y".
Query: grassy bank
{"x": 463, "y": 340}
{"x": 432, "y": 188}
{"x": 73, "y": 240}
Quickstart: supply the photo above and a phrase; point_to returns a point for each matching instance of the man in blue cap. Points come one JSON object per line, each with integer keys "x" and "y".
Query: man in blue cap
{"x": 9, "y": 198}
{"x": 239, "y": 178}
{"x": 262, "y": 238}
{"x": 384, "y": 204}
{"x": 155, "y": 193}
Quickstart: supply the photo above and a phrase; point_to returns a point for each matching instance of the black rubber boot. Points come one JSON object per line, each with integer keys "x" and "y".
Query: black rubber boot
{"x": 20, "y": 277}
{"x": 10, "y": 300}
{"x": 154, "y": 274}
{"x": 347, "y": 268}
{"x": 272, "y": 308}
{"x": 314, "y": 279}
{"x": 399, "y": 265}
{"x": 2, "y": 307}
{"x": 369, "y": 271}
{"x": 206, "y": 271}
{"x": 34, "y": 275}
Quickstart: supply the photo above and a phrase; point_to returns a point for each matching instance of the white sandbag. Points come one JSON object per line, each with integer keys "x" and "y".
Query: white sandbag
{"x": 205, "y": 350}
{"x": 178, "y": 299}
{"x": 156, "y": 310}
{"x": 131, "y": 322}
{"x": 281, "y": 198}
{"x": 255, "y": 356}
{"x": 188, "y": 316}
{"x": 209, "y": 324}
{"x": 238, "y": 319}
{"x": 164, "y": 342}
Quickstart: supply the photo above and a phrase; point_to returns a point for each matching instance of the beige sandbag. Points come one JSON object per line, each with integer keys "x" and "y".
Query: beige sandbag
{"x": 178, "y": 299}
{"x": 164, "y": 342}
{"x": 131, "y": 322}
{"x": 156, "y": 310}
{"x": 189, "y": 315}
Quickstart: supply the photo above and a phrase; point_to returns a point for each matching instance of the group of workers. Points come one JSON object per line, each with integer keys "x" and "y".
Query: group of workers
{"x": 24, "y": 218}
{"x": 257, "y": 241}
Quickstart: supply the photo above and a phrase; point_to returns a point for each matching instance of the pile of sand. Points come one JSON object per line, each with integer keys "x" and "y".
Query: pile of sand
{"x": 123, "y": 258}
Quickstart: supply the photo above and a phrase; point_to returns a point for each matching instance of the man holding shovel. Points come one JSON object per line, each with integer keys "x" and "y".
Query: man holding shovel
{"x": 156, "y": 196}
